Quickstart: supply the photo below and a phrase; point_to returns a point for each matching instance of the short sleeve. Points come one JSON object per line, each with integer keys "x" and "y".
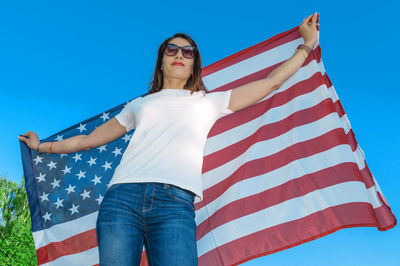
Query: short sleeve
{"x": 127, "y": 115}
{"x": 220, "y": 100}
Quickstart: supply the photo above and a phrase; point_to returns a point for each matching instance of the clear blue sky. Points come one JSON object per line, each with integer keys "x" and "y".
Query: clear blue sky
{"x": 62, "y": 62}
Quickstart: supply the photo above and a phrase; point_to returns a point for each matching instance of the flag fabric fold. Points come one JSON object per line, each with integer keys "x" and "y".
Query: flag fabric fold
{"x": 276, "y": 174}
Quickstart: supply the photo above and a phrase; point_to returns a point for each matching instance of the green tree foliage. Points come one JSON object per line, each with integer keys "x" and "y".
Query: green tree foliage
{"x": 16, "y": 242}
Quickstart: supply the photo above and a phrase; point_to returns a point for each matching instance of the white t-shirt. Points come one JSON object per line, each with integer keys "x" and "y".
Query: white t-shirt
{"x": 171, "y": 129}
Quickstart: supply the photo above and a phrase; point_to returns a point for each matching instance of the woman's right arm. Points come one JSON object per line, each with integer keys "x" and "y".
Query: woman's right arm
{"x": 107, "y": 132}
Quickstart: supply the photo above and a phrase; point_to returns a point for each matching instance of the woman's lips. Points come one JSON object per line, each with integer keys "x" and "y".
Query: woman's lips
{"x": 178, "y": 64}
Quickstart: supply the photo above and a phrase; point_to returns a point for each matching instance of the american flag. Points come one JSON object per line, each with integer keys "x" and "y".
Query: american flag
{"x": 276, "y": 174}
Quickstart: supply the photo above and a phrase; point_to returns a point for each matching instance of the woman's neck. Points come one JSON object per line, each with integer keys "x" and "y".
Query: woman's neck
{"x": 172, "y": 83}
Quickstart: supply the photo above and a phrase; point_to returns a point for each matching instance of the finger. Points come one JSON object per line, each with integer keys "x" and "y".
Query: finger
{"x": 314, "y": 18}
{"x": 306, "y": 19}
{"x": 26, "y": 136}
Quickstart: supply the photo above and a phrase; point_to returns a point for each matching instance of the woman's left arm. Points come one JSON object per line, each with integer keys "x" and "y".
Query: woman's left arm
{"x": 250, "y": 93}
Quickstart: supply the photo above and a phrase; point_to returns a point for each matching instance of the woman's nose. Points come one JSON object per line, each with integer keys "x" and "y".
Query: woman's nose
{"x": 179, "y": 53}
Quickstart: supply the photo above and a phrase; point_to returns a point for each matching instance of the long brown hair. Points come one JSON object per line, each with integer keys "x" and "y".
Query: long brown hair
{"x": 194, "y": 83}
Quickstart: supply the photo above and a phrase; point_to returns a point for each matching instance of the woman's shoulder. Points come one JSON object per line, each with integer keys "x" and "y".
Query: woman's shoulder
{"x": 136, "y": 100}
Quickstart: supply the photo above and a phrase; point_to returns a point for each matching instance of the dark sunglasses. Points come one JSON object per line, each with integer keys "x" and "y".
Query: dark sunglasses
{"x": 187, "y": 51}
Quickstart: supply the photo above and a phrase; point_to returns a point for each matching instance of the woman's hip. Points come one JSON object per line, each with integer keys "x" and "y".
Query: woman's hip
{"x": 146, "y": 199}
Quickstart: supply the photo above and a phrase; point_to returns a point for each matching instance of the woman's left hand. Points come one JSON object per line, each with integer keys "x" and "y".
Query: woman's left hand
{"x": 308, "y": 30}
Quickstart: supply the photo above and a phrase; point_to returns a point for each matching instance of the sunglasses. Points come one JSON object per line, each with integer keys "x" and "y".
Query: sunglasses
{"x": 187, "y": 51}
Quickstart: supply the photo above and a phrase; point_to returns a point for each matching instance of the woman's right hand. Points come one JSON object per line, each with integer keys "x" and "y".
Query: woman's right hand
{"x": 308, "y": 30}
{"x": 32, "y": 141}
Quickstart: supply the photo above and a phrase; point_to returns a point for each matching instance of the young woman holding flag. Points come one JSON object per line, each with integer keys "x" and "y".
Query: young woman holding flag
{"x": 150, "y": 198}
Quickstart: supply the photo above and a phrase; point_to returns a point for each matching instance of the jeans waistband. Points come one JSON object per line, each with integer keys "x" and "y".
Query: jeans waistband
{"x": 188, "y": 191}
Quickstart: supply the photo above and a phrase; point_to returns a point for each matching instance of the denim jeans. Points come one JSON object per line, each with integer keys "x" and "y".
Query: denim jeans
{"x": 157, "y": 215}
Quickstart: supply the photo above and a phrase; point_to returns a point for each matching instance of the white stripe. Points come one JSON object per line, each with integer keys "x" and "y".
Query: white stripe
{"x": 251, "y": 65}
{"x": 88, "y": 257}
{"x": 333, "y": 93}
{"x": 65, "y": 230}
{"x": 345, "y": 121}
{"x": 298, "y": 168}
{"x": 373, "y": 197}
{"x": 378, "y": 189}
{"x": 360, "y": 162}
{"x": 345, "y": 125}
{"x": 322, "y": 68}
{"x": 289, "y": 210}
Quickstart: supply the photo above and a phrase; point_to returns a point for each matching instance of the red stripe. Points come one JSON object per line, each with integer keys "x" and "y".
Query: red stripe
{"x": 352, "y": 140}
{"x": 251, "y": 51}
{"x": 339, "y": 108}
{"x": 291, "y": 234}
{"x": 144, "y": 261}
{"x": 298, "y": 187}
{"x": 328, "y": 81}
{"x": 367, "y": 176}
{"x": 75, "y": 244}
{"x": 386, "y": 218}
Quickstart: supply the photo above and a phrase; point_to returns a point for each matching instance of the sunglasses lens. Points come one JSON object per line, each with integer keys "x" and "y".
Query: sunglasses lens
{"x": 171, "y": 49}
{"x": 188, "y": 52}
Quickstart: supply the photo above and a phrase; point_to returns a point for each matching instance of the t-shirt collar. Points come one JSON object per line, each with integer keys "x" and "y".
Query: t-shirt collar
{"x": 175, "y": 91}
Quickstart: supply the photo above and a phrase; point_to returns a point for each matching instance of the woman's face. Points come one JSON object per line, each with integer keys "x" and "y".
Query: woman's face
{"x": 177, "y": 71}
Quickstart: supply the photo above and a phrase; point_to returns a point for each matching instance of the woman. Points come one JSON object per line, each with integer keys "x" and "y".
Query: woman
{"x": 150, "y": 198}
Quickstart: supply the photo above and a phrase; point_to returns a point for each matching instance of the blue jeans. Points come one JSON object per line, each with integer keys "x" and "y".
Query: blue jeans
{"x": 160, "y": 216}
